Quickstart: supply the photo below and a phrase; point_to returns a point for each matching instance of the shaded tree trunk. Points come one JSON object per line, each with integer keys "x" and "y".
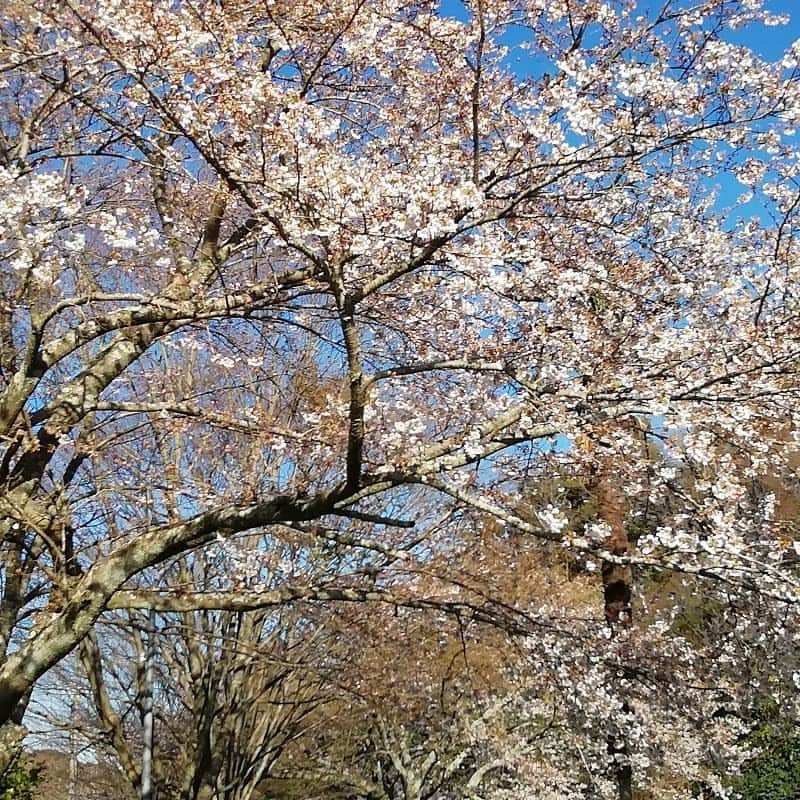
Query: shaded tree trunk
{"x": 617, "y": 595}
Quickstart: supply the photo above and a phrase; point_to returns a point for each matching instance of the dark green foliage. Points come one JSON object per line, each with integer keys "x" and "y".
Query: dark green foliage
{"x": 19, "y": 781}
{"x": 774, "y": 774}
{"x": 698, "y": 617}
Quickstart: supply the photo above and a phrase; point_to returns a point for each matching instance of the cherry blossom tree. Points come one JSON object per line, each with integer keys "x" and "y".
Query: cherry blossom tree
{"x": 312, "y": 269}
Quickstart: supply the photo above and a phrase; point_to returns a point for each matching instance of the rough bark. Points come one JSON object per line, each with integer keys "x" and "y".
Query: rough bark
{"x": 617, "y": 594}
{"x": 71, "y": 617}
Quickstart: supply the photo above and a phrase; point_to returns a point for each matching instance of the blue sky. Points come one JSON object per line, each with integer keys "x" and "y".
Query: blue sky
{"x": 769, "y": 42}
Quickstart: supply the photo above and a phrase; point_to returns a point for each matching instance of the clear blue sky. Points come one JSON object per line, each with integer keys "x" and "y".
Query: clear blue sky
{"x": 770, "y": 42}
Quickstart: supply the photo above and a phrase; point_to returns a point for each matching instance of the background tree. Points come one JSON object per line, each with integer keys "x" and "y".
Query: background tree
{"x": 231, "y": 691}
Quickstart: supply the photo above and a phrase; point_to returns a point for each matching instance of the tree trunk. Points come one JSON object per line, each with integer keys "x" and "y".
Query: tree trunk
{"x": 617, "y": 594}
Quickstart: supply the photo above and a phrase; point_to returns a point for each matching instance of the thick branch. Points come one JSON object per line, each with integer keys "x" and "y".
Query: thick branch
{"x": 65, "y": 626}
{"x": 210, "y": 245}
{"x": 254, "y": 600}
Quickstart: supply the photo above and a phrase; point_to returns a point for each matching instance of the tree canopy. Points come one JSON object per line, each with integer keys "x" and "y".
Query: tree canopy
{"x": 321, "y": 291}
